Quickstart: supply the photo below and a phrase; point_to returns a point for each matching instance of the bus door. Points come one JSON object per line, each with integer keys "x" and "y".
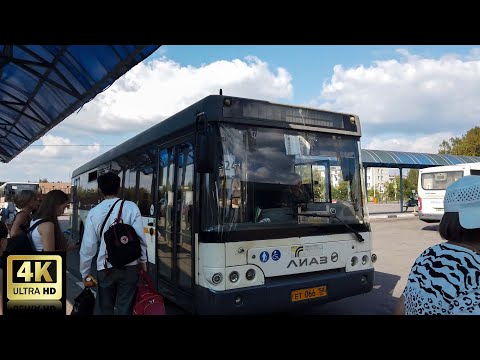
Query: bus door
{"x": 74, "y": 225}
{"x": 175, "y": 210}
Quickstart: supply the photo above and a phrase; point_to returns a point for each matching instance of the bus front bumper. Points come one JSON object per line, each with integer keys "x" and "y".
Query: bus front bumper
{"x": 276, "y": 294}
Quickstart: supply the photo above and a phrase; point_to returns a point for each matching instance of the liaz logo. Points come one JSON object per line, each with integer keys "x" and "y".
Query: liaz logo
{"x": 297, "y": 251}
{"x": 299, "y": 262}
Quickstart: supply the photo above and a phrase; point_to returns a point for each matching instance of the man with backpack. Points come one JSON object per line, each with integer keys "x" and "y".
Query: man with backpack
{"x": 117, "y": 283}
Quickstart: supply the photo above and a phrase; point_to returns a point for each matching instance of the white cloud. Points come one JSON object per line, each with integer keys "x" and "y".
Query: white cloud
{"x": 147, "y": 94}
{"x": 53, "y": 162}
{"x": 409, "y": 103}
{"x": 409, "y": 96}
{"x": 426, "y": 144}
{"x": 154, "y": 90}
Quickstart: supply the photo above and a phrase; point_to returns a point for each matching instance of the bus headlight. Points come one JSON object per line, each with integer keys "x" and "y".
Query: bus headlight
{"x": 233, "y": 276}
{"x": 354, "y": 261}
{"x": 364, "y": 259}
{"x": 217, "y": 278}
{"x": 250, "y": 275}
{"x": 374, "y": 258}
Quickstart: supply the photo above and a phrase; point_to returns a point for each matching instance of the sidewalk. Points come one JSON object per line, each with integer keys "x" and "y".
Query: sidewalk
{"x": 389, "y": 210}
{"x": 393, "y": 215}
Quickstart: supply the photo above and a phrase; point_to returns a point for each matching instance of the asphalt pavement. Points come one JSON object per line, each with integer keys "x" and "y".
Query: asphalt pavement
{"x": 75, "y": 285}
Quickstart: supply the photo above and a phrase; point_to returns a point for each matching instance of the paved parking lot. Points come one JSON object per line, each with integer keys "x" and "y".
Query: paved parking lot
{"x": 397, "y": 243}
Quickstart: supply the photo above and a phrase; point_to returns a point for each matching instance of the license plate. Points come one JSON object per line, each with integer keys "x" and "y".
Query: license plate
{"x": 310, "y": 293}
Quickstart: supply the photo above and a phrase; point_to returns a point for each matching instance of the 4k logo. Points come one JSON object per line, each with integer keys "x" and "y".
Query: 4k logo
{"x": 34, "y": 277}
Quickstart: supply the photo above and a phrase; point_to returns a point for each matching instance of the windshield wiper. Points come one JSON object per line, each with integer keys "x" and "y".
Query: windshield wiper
{"x": 333, "y": 215}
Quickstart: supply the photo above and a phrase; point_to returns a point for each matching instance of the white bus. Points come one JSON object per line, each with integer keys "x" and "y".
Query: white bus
{"x": 432, "y": 183}
{"x": 209, "y": 182}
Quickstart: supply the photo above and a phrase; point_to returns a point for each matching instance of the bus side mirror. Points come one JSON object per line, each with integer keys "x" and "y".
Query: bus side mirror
{"x": 205, "y": 153}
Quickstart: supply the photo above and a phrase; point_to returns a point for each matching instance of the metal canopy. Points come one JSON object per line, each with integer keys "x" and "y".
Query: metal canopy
{"x": 40, "y": 85}
{"x": 411, "y": 160}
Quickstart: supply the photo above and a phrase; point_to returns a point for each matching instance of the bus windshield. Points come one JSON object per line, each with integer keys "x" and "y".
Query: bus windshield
{"x": 270, "y": 177}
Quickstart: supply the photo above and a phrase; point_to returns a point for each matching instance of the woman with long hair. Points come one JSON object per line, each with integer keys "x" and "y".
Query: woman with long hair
{"x": 48, "y": 236}
{"x": 28, "y": 202}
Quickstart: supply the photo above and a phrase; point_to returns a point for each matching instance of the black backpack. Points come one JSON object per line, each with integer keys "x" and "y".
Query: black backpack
{"x": 121, "y": 240}
{"x": 21, "y": 243}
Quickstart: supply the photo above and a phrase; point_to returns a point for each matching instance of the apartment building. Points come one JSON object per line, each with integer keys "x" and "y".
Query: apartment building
{"x": 378, "y": 178}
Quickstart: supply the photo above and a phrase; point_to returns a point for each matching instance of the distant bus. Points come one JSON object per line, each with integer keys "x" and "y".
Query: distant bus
{"x": 209, "y": 182}
{"x": 432, "y": 183}
{"x": 10, "y": 189}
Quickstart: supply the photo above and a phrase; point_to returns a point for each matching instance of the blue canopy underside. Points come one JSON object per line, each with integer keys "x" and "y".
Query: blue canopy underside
{"x": 411, "y": 160}
{"x": 41, "y": 85}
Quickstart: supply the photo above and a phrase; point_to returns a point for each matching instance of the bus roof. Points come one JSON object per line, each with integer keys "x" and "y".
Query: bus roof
{"x": 212, "y": 106}
{"x": 475, "y": 165}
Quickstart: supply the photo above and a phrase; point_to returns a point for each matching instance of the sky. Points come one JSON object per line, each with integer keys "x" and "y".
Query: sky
{"x": 408, "y": 98}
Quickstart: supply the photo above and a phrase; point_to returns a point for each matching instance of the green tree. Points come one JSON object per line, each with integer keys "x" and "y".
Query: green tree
{"x": 412, "y": 177}
{"x": 409, "y": 183}
{"x": 341, "y": 192}
{"x": 370, "y": 194}
{"x": 391, "y": 190}
{"x": 445, "y": 147}
{"x": 408, "y": 186}
{"x": 43, "y": 180}
{"x": 468, "y": 145}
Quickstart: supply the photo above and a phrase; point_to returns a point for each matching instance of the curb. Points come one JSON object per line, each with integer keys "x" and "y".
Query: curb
{"x": 392, "y": 216}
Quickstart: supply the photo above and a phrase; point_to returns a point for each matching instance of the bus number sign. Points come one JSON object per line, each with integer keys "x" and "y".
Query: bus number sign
{"x": 310, "y": 293}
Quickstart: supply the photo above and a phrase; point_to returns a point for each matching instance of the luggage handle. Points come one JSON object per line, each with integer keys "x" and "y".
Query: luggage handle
{"x": 144, "y": 277}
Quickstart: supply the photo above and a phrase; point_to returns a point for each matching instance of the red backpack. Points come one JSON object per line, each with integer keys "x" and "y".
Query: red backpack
{"x": 148, "y": 301}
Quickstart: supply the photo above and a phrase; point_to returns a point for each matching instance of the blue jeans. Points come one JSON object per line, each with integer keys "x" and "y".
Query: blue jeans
{"x": 117, "y": 287}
